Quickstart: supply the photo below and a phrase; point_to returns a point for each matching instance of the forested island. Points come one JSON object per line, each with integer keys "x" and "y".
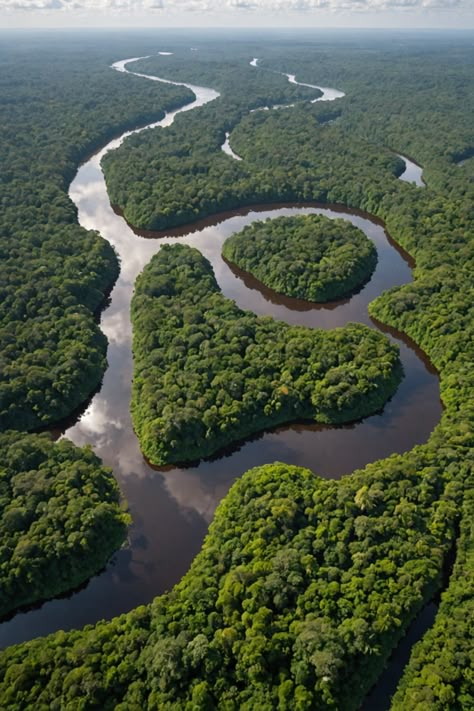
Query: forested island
{"x": 208, "y": 374}
{"x": 308, "y": 257}
{"x": 304, "y": 585}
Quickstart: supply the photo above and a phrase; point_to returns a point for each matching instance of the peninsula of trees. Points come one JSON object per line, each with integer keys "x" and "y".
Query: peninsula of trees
{"x": 302, "y": 589}
{"x": 207, "y": 374}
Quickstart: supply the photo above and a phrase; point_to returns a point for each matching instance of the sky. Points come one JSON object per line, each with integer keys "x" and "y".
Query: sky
{"x": 427, "y": 14}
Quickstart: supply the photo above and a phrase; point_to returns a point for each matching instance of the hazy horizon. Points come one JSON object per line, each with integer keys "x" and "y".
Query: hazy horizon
{"x": 238, "y": 14}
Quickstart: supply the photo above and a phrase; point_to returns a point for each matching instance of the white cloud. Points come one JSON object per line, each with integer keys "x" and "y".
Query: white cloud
{"x": 177, "y": 6}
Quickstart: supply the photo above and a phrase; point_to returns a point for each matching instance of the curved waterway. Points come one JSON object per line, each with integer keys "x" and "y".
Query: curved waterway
{"x": 226, "y": 147}
{"x": 327, "y": 93}
{"x": 413, "y": 172}
{"x": 171, "y": 509}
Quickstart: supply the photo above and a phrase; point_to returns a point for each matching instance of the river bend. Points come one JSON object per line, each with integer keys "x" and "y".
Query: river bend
{"x": 172, "y": 508}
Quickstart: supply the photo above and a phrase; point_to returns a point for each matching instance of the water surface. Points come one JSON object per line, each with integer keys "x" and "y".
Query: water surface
{"x": 413, "y": 172}
{"x": 172, "y": 508}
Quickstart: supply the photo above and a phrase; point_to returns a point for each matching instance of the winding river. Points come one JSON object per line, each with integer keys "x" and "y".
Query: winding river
{"x": 327, "y": 94}
{"x": 171, "y": 508}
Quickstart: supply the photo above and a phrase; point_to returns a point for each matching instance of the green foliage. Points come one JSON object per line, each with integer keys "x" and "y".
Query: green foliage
{"x": 189, "y": 175}
{"x": 207, "y": 374}
{"x": 60, "y": 518}
{"x": 301, "y": 590}
{"x": 440, "y": 672}
{"x": 303, "y": 586}
{"x": 54, "y": 275}
{"x": 288, "y": 154}
{"x": 90, "y": 668}
{"x": 308, "y": 257}
{"x": 422, "y": 108}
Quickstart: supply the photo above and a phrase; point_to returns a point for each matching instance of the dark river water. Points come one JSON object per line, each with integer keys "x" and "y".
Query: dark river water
{"x": 172, "y": 508}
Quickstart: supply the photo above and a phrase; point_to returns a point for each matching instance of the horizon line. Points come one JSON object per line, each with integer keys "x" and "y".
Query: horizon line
{"x": 234, "y": 28}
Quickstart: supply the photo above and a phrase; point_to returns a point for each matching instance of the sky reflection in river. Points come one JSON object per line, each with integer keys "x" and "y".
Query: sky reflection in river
{"x": 172, "y": 508}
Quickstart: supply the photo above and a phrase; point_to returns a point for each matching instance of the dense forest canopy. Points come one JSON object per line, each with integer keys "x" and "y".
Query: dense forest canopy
{"x": 192, "y": 177}
{"x": 60, "y": 518}
{"x": 207, "y": 374}
{"x": 303, "y": 585}
{"x": 54, "y": 274}
{"x": 301, "y": 590}
{"x": 422, "y": 107}
{"x": 308, "y": 257}
{"x": 440, "y": 672}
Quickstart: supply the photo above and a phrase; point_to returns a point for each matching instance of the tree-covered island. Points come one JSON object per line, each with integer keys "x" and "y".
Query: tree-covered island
{"x": 307, "y": 257}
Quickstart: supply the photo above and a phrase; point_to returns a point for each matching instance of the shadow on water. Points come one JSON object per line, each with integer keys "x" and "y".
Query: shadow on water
{"x": 222, "y": 216}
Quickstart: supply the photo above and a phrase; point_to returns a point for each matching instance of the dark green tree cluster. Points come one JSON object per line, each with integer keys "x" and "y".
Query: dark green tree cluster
{"x": 60, "y": 518}
{"x": 54, "y": 275}
{"x": 301, "y": 590}
{"x": 440, "y": 672}
{"x": 312, "y": 584}
{"x": 227, "y": 69}
{"x": 422, "y": 108}
{"x": 207, "y": 374}
{"x": 92, "y": 668}
{"x": 189, "y": 152}
{"x": 308, "y": 257}
{"x": 289, "y": 155}
{"x": 52, "y": 351}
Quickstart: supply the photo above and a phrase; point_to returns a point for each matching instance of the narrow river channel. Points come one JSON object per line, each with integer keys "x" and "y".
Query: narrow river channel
{"x": 172, "y": 508}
